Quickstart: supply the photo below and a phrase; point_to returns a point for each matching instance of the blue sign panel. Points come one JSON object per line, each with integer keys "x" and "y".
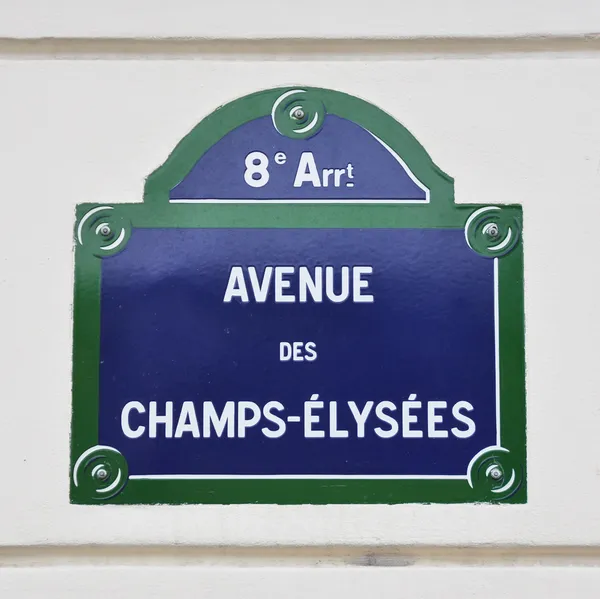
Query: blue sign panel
{"x": 342, "y": 162}
{"x": 298, "y": 352}
{"x": 298, "y": 313}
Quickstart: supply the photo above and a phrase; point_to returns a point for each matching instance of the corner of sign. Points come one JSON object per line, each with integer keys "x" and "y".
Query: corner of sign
{"x": 100, "y": 473}
{"x": 492, "y": 231}
{"x": 102, "y": 229}
{"x": 495, "y": 475}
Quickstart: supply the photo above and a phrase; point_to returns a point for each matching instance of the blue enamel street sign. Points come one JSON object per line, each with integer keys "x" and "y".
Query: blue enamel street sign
{"x": 298, "y": 313}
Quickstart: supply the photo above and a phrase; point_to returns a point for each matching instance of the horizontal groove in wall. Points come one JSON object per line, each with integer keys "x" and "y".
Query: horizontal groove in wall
{"x": 292, "y": 49}
{"x": 285, "y": 556}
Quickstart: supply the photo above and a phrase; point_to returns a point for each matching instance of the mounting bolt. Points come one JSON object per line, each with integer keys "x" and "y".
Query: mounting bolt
{"x": 298, "y": 114}
{"x": 102, "y": 474}
{"x": 492, "y": 230}
{"x": 105, "y": 230}
{"x": 496, "y": 473}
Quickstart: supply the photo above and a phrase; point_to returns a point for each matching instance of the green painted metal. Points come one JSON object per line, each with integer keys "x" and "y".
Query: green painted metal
{"x": 155, "y": 211}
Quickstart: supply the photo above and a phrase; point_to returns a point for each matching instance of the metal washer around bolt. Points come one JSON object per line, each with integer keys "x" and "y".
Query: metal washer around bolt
{"x": 299, "y": 114}
{"x": 102, "y": 474}
{"x": 492, "y": 230}
{"x": 496, "y": 473}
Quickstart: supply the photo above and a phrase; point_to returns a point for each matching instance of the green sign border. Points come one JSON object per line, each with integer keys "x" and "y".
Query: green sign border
{"x": 99, "y": 474}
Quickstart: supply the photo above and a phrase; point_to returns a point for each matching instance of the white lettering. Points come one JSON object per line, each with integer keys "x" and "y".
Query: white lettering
{"x": 313, "y": 285}
{"x": 309, "y": 286}
{"x": 268, "y": 413}
{"x": 226, "y": 419}
{"x": 408, "y": 418}
{"x": 329, "y": 284}
{"x": 187, "y": 423}
{"x": 285, "y": 351}
{"x": 236, "y": 285}
{"x": 334, "y": 432}
{"x": 433, "y": 419}
{"x": 281, "y": 284}
{"x": 358, "y": 284}
{"x": 154, "y": 419}
{"x": 326, "y": 174}
{"x": 297, "y": 350}
{"x": 379, "y": 412}
{"x": 127, "y": 430}
{"x": 360, "y": 416}
{"x": 311, "y": 351}
{"x": 310, "y": 418}
{"x": 456, "y": 412}
{"x": 307, "y": 171}
{"x": 260, "y": 289}
{"x": 243, "y": 422}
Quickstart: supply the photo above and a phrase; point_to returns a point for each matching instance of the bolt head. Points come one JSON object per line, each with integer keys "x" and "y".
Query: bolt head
{"x": 105, "y": 231}
{"x": 496, "y": 473}
{"x": 298, "y": 114}
{"x": 492, "y": 230}
{"x": 102, "y": 474}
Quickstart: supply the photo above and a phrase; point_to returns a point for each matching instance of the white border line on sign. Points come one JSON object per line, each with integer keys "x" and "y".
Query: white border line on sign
{"x": 300, "y": 476}
{"x": 275, "y": 201}
{"x": 406, "y": 169}
{"x": 497, "y": 347}
{"x": 365, "y": 476}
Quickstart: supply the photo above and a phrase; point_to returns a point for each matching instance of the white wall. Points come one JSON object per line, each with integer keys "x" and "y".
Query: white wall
{"x": 509, "y": 125}
{"x": 296, "y": 583}
{"x": 309, "y": 18}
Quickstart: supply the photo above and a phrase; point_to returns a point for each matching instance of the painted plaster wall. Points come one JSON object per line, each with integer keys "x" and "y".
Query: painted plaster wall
{"x": 512, "y": 119}
{"x": 309, "y": 19}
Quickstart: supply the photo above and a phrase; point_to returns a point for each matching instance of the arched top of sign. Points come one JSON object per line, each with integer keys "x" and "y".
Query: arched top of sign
{"x": 296, "y": 145}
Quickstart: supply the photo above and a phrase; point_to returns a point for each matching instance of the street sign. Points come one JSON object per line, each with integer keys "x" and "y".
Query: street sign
{"x": 298, "y": 312}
